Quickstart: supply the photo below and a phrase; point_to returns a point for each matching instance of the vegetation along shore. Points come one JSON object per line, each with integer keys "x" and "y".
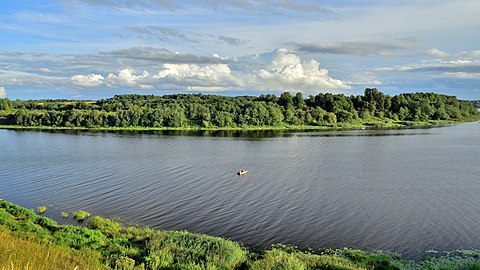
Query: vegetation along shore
{"x": 265, "y": 112}
{"x": 31, "y": 241}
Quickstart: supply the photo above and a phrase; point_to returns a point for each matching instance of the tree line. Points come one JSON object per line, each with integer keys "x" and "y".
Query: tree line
{"x": 199, "y": 110}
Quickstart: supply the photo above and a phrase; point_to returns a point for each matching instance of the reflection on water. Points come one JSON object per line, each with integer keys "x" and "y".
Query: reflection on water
{"x": 406, "y": 191}
{"x": 253, "y": 134}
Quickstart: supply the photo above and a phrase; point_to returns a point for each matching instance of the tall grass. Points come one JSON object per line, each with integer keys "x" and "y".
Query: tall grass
{"x": 16, "y": 253}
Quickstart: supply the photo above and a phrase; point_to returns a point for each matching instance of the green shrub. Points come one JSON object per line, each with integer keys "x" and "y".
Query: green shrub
{"x": 41, "y": 209}
{"x": 81, "y": 215}
{"x": 78, "y": 238}
{"x": 374, "y": 260}
{"x": 277, "y": 259}
{"x": 106, "y": 226}
{"x": 159, "y": 259}
{"x": 450, "y": 263}
{"x": 124, "y": 263}
{"x": 202, "y": 249}
{"x": 46, "y": 223}
{"x": 17, "y": 211}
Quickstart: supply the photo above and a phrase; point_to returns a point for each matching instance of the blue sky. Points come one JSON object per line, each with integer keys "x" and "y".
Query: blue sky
{"x": 91, "y": 49}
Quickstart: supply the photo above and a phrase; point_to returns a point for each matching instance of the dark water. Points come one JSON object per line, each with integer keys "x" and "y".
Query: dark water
{"x": 405, "y": 191}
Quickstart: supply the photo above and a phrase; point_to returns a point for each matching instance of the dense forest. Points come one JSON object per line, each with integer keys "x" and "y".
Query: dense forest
{"x": 210, "y": 111}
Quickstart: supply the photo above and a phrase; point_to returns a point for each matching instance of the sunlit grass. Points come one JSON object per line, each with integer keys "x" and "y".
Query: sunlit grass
{"x": 16, "y": 253}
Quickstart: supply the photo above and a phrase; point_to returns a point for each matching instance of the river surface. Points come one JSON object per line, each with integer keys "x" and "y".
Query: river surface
{"x": 405, "y": 191}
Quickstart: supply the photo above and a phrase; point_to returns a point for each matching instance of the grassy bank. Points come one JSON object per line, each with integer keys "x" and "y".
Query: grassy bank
{"x": 29, "y": 241}
{"x": 376, "y": 124}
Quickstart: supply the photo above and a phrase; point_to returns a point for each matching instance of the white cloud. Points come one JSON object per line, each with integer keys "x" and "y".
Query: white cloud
{"x": 280, "y": 70}
{"x": 126, "y": 77}
{"x": 463, "y": 75}
{"x": 3, "y": 92}
{"x": 87, "y": 81}
{"x": 458, "y": 65}
{"x": 470, "y": 54}
{"x": 213, "y": 72}
{"x": 287, "y": 71}
{"x": 45, "y": 70}
{"x": 364, "y": 78}
{"x": 213, "y": 77}
{"x": 437, "y": 53}
{"x": 476, "y": 53}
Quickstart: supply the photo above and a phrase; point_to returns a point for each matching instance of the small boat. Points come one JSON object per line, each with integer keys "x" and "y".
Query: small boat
{"x": 242, "y": 172}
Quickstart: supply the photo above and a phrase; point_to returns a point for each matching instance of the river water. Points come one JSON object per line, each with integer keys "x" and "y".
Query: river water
{"x": 405, "y": 191}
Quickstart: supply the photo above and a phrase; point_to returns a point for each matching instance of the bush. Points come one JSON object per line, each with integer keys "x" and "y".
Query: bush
{"x": 159, "y": 259}
{"x": 106, "y": 226}
{"x": 370, "y": 260}
{"x": 41, "y": 209}
{"x": 46, "y": 223}
{"x": 277, "y": 259}
{"x": 125, "y": 263}
{"x": 78, "y": 238}
{"x": 200, "y": 249}
{"x": 81, "y": 215}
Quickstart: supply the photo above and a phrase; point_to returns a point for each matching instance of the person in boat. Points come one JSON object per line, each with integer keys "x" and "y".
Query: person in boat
{"x": 242, "y": 171}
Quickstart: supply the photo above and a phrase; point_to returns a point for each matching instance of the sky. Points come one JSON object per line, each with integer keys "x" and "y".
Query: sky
{"x": 94, "y": 49}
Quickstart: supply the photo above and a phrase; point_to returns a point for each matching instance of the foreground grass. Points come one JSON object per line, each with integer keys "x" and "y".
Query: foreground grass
{"x": 28, "y": 241}
{"x": 17, "y": 253}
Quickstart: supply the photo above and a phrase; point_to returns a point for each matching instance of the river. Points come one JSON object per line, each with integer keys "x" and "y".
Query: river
{"x": 405, "y": 191}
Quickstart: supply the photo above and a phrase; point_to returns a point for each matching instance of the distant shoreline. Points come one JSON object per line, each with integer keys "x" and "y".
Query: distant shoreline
{"x": 343, "y": 126}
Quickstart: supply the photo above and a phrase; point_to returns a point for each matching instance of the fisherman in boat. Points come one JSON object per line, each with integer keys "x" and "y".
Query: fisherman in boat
{"x": 242, "y": 172}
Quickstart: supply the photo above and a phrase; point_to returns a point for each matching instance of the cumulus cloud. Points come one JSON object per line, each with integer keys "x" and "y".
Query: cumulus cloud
{"x": 287, "y": 71}
{"x": 437, "y": 53}
{"x": 126, "y": 77}
{"x": 213, "y": 77}
{"x": 280, "y": 70}
{"x": 161, "y": 69}
{"x": 359, "y": 48}
{"x": 3, "y": 92}
{"x": 87, "y": 81}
